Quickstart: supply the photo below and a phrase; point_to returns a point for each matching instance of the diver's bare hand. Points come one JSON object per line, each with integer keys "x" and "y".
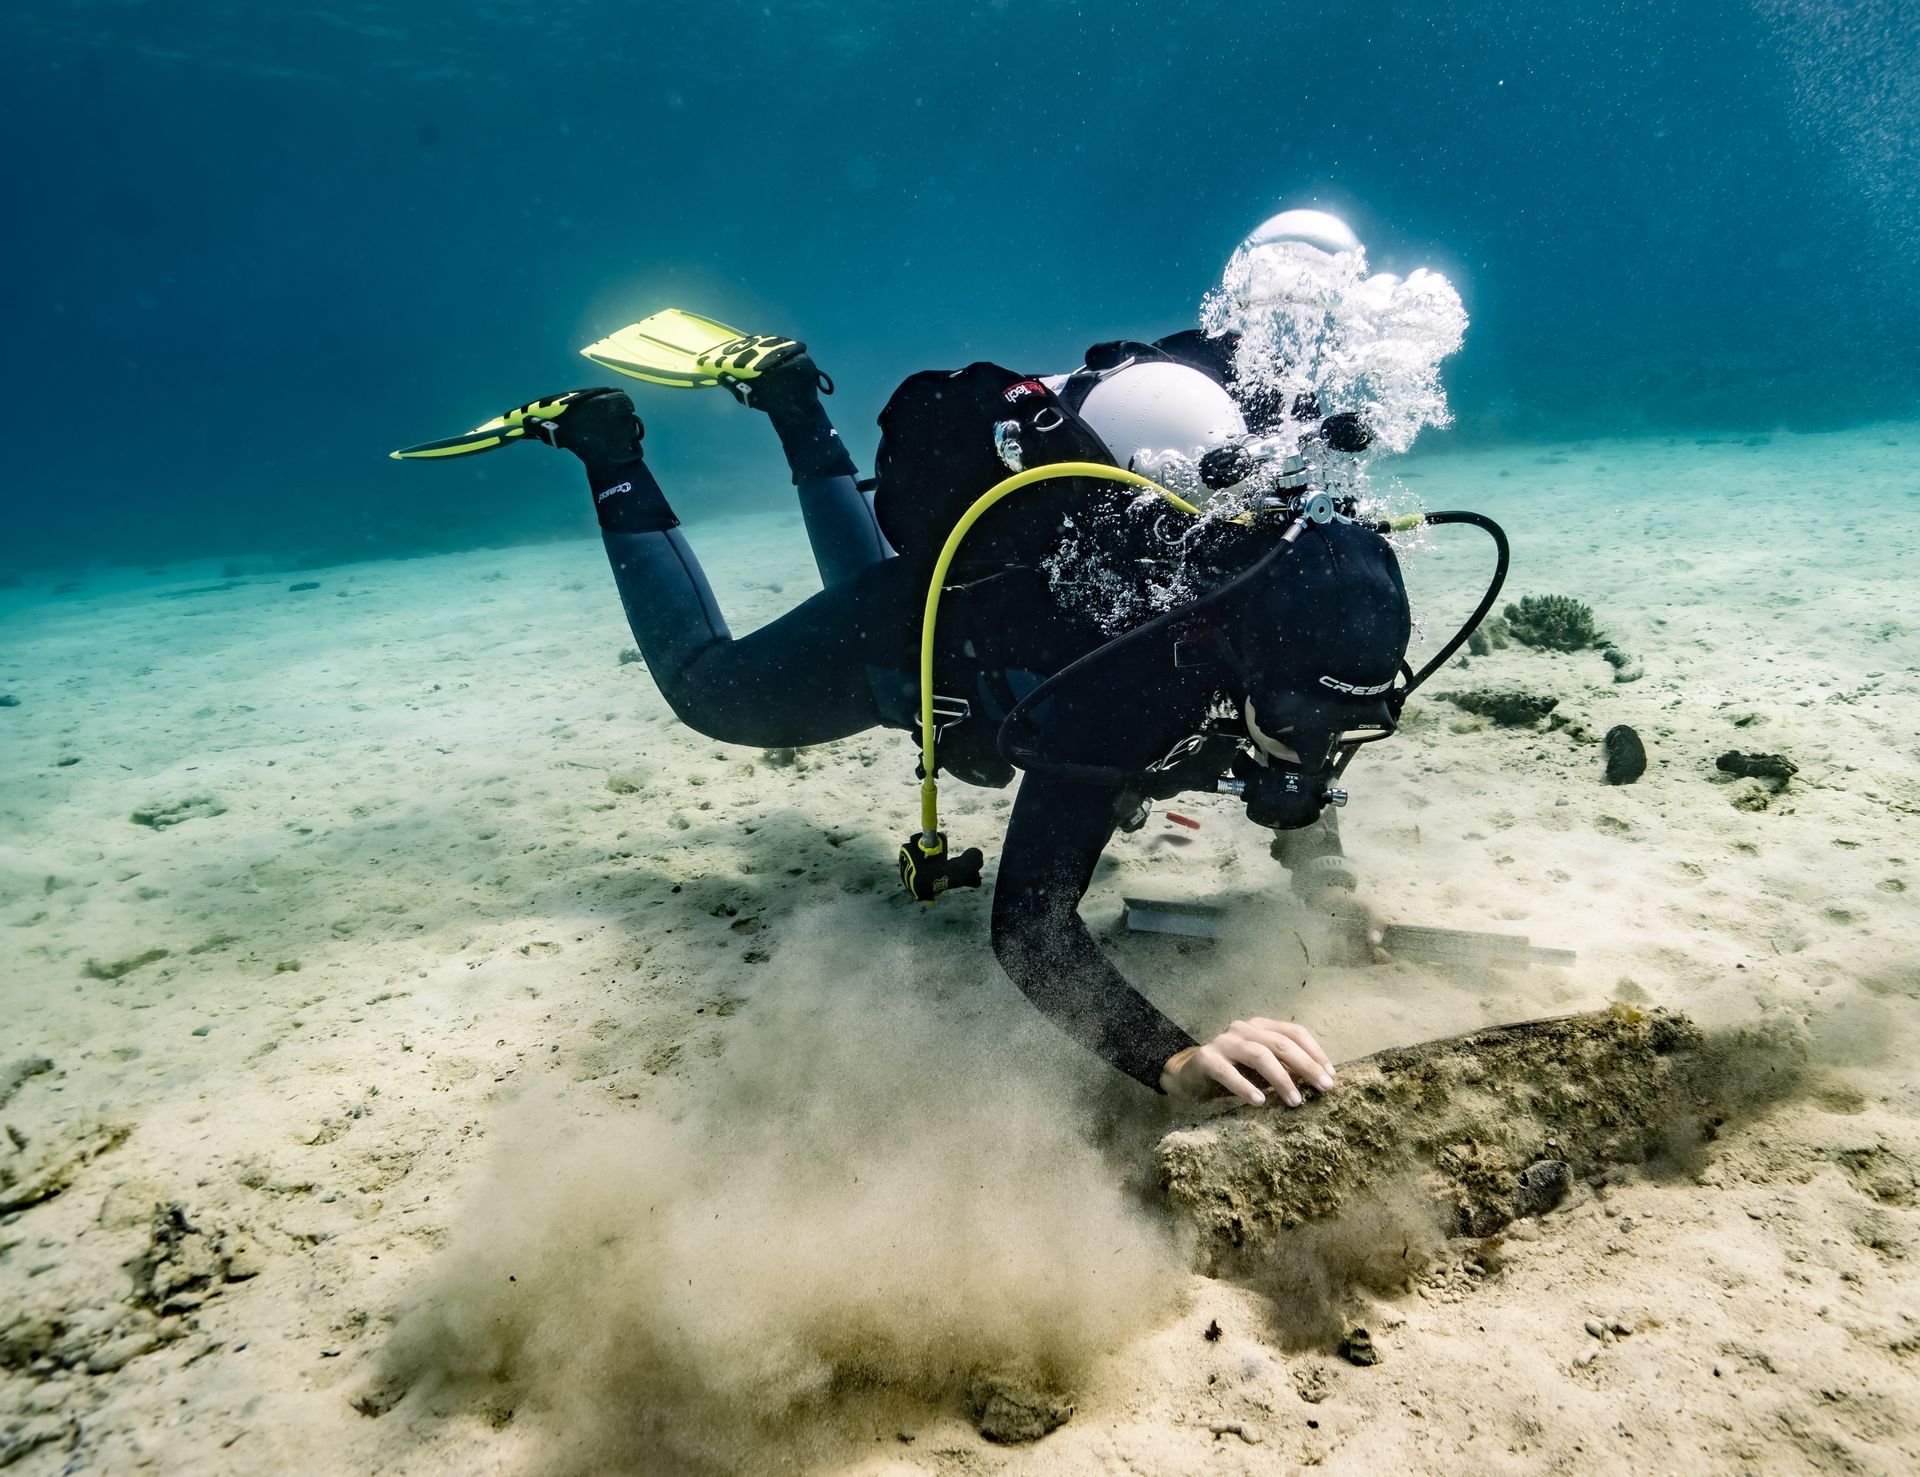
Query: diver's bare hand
{"x": 1351, "y": 931}
{"x": 1247, "y": 1053}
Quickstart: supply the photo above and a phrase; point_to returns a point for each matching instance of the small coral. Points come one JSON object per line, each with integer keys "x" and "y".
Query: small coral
{"x": 1553, "y": 623}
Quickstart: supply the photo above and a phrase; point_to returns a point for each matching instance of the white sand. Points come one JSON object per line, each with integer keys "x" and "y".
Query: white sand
{"x": 470, "y": 882}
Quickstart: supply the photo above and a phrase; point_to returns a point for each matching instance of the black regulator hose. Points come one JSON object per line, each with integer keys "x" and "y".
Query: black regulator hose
{"x": 1100, "y": 774}
{"x": 1503, "y": 557}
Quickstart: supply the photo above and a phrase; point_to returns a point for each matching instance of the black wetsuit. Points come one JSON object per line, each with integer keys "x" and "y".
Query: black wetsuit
{"x": 846, "y": 661}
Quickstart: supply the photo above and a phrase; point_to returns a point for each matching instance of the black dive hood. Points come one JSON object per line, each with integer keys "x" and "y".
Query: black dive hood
{"x": 1320, "y": 643}
{"x": 1318, "y": 647}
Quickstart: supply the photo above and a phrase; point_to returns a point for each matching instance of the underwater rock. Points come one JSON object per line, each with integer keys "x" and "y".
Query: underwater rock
{"x": 17, "y": 1076}
{"x": 1572, "y": 727}
{"x": 121, "y": 968}
{"x": 1543, "y": 1185}
{"x": 1247, "y": 1433}
{"x": 8, "y": 700}
{"x": 629, "y": 655}
{"x": 1489, "y": 636}
{"x": 174, "y": 812}
{"x": 28, "y": 1434}
{"x": 1625, "y": 668}
{"x": 303, "y": 585}
{"x": 1508, "y": 709}
{"x": 49, "y": 1173}
{"x": 1626, "y": 755}
{"x": 1471, "y": 1120}
{"x": 1012, "y": 1412}
{"x": 1359, "y": 1348}
{"x": 1776, "y": 769}
{"x": 109, "y": 1358}
{"x": 1553, "y": 623}
{"x": 181, "y": 1266}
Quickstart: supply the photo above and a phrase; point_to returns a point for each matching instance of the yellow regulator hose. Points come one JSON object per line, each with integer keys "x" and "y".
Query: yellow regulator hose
{"x": 929, "y": 787}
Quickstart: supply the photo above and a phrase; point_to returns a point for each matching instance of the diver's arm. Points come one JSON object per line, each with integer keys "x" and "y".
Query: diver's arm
{"x": 1054, "y": 839}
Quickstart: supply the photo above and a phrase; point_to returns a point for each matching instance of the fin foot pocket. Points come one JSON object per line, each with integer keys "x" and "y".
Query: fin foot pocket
{"x": 599, "y": 420}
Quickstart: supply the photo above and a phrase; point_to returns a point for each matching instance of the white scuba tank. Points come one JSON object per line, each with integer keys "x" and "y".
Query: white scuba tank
{"x": 1156, "y": 406}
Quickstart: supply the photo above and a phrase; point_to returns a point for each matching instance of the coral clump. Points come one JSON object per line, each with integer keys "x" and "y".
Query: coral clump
{"x": 1508, "y": 709}
{"x": 1553, "y": 623}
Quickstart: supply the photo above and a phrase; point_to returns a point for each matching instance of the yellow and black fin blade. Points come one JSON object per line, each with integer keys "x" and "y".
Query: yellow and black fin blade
{"x": 685, "y": 351}
{"x": 502, "y": 430}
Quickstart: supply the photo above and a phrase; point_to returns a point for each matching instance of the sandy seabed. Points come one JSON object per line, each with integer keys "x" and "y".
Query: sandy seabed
{"x": 422, "y": 1054}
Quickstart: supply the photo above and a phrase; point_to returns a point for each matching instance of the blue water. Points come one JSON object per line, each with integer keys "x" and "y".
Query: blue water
{"x": 254, "y": 247}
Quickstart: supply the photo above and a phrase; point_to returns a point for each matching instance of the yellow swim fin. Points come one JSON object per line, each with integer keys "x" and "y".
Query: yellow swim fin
{"x": 689, "y": 352}
{"x": 534, "y": 418}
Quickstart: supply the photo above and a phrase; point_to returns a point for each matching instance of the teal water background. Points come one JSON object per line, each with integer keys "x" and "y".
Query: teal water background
{"x": 254, "y": 247}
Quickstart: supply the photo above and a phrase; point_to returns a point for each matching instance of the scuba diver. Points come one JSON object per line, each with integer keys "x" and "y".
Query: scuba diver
{"x": 1078, "y": 622}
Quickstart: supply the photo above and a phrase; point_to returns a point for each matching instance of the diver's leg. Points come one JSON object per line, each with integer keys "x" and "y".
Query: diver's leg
{"x": 841, "y": 527}
{"x": 840, "y": 521}
{"x": 800, "y": 680}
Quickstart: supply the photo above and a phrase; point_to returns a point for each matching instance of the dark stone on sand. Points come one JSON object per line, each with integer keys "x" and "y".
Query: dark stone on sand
{"x": 182, "y": 1266}
{"x": 13, "y": 1078}
{"x": 1625, "y": 668}
{"x": 1358, "y": 1348}
{"x": 67, "y": 761}
{"x": 172, "y": 812}
{"x": 1626, "y": 755}
{"x": 8, "y": 700}
{"x": 1508, "y": 709}
{"x": 1774, "y": 767}
{"x": 1490, "y": 635}
{"x": 629, "y": 655}
{"x": 1011, "y": 1412}
{"x": 304, "y": 585}
{"x": 1543, "y": 1185}
{"x": 121, "y": 968}
{"x": 50, "y": 1171}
